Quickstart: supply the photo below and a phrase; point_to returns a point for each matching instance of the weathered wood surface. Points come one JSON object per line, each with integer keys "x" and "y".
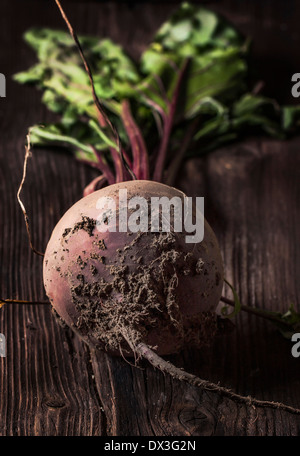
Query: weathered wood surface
{"x": 52, "y": 384}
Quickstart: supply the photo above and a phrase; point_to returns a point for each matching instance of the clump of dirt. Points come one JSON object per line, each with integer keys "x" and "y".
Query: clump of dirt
{"x": 66, "y": 232}
{"x": 81, "y": 263}
{"x": 93, "y": 270}
{"x": 96, "y": 256}
{"x": 87, "y": 224}
{"x": 100, "y": 243}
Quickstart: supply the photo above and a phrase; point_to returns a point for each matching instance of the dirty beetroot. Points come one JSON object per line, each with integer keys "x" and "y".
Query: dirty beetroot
{"x": 118, "y": 289}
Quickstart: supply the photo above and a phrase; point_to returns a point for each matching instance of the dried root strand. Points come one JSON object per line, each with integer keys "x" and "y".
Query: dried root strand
{"x": 21, "y": 301}
{"x": 156, "y": 361}
{"x": 27, "y": 155}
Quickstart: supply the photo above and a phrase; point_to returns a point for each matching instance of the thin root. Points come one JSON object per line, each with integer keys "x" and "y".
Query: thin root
{"x": 27, "y": 155}
{"x": 21, "y": 301}
{"x": 179, "y": 374}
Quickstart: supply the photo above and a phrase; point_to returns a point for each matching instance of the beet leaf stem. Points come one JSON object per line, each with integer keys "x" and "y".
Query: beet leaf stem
{"x": 168, "y": 125}
{"x": 138, "y": 146}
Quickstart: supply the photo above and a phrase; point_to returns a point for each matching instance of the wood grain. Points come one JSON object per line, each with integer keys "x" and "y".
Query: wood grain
{"x": 50, "y": 382}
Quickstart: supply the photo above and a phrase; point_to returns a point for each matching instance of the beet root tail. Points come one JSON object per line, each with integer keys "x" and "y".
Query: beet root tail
{"x": 143, "y": 351}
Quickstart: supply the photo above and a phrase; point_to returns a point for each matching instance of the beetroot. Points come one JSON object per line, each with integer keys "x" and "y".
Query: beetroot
{"x": 117, "y": 289}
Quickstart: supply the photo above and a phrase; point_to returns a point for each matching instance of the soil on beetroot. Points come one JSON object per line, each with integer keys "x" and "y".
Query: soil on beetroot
{"x": 135, "y": 297}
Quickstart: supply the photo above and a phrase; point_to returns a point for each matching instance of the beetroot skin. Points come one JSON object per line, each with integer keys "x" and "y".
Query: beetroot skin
{"x": 118, "y": 289}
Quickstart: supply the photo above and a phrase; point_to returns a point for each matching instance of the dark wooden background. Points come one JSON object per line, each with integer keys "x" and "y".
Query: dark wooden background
{"x": 50, "y": 383}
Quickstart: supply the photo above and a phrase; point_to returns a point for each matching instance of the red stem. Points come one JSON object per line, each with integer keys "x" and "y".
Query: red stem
{"x": 179, "y": 156}
{"x": 159, "y": 168}
{"x": 104, "y": 167}
{"x": 139, "y": 150}
{"x": 127, "y": 158}
{"x": 96, "y": 184}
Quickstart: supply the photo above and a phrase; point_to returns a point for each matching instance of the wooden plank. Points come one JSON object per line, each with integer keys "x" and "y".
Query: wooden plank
{"x": 50, "y": 383}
